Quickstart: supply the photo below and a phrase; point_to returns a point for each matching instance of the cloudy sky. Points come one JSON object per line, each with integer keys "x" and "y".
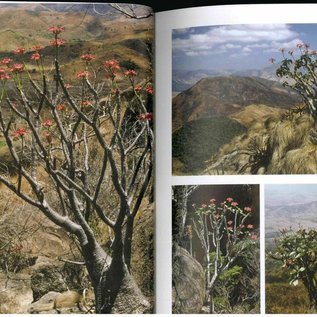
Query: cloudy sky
{"x": 238, "y": 47}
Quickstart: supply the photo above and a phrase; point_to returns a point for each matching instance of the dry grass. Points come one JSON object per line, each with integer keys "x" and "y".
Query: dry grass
{"x": 287, "y": 149}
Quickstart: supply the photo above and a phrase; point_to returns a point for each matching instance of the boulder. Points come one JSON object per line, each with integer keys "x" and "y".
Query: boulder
{"x": 189, "y": 284}
{"x": 47, "y": 277}
{"x": 15, "y": 293}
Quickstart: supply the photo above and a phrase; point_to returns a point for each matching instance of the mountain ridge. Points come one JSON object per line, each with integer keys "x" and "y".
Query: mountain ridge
{"x": 225, "y": 95}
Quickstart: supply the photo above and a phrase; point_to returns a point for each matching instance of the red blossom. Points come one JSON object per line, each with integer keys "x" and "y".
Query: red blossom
{"x": 87, "y": 57}
{"x": 150, "y": 90}
{"x": 4, "y": 76}
{"x": 111, "y": 65}
{"x": 56, "y": 29}
{"x": 250, "y": 226}
{"x": 17, "y": 68}
{"x": 47, "y": 123}
{"x": 230, "y": 222}
{"x": 130, "y": 73}
{"x": 57, "y": 42}
{"x": 36, "y": 56}
{"x": 60, "y": 107}
{"x": 83, "y": 74}
{"x": 138, "y": 88}
{"x": 19, "y": 51}
{"x": 6, "y": 61}
{"x": 147, "y": 116}
{"x": 229, "y": 200}
{"x": 204, "y": 206}
{"x": 212, "y": 200}
{"x": 20, "y": 132}
{"x": 234, "y": 204}
{"x": 254, "y": 237}
{"x": 247, "y": 209}
{"x": 37, "y": 48}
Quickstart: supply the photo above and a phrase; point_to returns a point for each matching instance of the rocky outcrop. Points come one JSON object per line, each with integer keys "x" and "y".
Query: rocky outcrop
{"x": 15, "y": 293}
{"x": 188, "y": 283}
{"x": 46, "y": 277}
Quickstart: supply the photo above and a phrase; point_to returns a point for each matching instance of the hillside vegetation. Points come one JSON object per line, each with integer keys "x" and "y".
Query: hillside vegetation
{"x": 274, "y": 146}
{"x": 197, "y": 140}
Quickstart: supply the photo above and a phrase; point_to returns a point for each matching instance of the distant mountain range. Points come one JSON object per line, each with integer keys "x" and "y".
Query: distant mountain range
{"x": 288, "y": 216}
{"x": 226, "y": 95}
{"x": 184, "y": 79}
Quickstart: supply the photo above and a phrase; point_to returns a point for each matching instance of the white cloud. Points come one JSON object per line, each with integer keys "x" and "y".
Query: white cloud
{"x": 245, "y": 37}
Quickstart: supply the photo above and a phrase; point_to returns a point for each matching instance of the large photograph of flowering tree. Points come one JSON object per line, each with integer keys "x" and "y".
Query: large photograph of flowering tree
{"x": 76, "y": 215}
{"x": 216, "y": 249}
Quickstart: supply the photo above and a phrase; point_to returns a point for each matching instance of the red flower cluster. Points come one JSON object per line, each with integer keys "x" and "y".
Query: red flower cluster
{"x": 17, "y": 68}
{"x": 83, "y": 74}
{"x": 6, "y": 61}
{"x": 60, "y": 107}
{"x": 250, "y": 226}
{"x": 20, "y": 132}
{"x": 147, "y": 116}
{"x": 3, "y": 74}
{"x": 130, "y": 73}
{"x": 36, "y": 56}
{"x": 56, "y": 29}
{"x": 19, "y": 51}
{"x": 138, "y": 88}
{"x": 150, "y": 90}
{"x": 37, "y": 48}
{"x": 229, "y": 200}
{"x": 57, "y": 42}
{"x": 111, "y": 65}
{"x": 47, "y": 123}
{"x": 234, "y": 204}
{"x": 247, "y": 209}
{"x": 87, "y": 57}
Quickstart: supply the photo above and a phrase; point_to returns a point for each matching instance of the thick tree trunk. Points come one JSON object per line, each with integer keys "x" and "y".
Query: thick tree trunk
{"x": 115, "y": 289}
{"x": 128, "y": 242}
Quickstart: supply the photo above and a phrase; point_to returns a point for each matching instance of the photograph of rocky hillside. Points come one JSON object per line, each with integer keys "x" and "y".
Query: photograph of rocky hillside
{"x": 76, "y": 171}
{"x": 244, "y": 100}
{"x": 290, "y": 241}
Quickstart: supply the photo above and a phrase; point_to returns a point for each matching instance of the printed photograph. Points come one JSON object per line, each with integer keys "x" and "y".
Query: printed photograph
{"x": 216, "y": 249}
{"x": 291, "y": 244}
{"x": 76, "y": 171}
{"x": 244, "y": 99}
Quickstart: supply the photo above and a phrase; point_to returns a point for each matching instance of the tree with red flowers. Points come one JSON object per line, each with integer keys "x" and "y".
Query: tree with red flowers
{"x": 225, "y": 234}
{"x": 86, "y": 146}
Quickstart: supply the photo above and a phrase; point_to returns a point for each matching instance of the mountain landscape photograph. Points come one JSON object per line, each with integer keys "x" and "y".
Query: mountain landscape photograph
{"x": 243, "y": 99}
{"x": 76, "y": 150}
{"x": 290, "y": 243}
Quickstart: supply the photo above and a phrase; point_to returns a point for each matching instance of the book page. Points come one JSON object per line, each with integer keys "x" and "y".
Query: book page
{"x": 76, "y": 158}
{"x": 236, "y": 126}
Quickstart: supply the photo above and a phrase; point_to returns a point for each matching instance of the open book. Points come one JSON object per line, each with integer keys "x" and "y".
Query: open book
{"x": 203, "y": 203}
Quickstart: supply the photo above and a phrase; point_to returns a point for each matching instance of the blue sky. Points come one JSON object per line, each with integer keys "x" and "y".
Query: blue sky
{"x": 237, "y": 47}
{"x": 279, "y": 194}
